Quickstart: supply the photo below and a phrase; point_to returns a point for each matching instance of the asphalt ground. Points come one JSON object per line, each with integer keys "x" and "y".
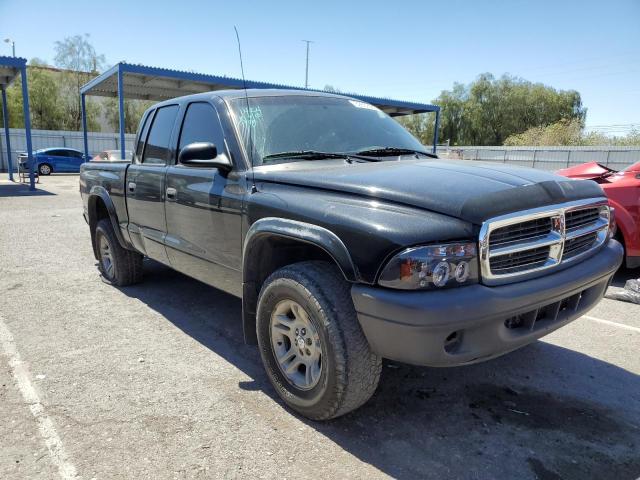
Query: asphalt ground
{"x": 154, "y": 381}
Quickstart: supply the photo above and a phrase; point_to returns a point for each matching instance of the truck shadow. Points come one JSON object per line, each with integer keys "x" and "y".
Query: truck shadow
{"x": 543, "y": 412}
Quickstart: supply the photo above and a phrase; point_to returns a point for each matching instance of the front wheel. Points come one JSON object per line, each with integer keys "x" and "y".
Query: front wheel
{"x": 311, "y": 344}
{"x": 44, "y": 169}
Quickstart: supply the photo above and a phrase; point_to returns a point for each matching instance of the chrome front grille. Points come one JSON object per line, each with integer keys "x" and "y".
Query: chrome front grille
{"x": 519, "y": 245}
{"x": 518, "y": 261}
{"x": 521, "y": 231}
{"x": 580, "y": 218}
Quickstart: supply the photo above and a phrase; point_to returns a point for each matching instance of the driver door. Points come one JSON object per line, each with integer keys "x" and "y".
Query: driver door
{"x": 203, "y": 208}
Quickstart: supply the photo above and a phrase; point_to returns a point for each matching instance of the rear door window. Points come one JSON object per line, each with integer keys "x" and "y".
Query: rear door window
{"x": 143, "y": 137}
{"x": 156, "y": 150}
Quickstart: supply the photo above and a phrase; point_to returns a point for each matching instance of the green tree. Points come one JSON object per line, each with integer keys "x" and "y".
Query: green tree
{"x": 331, "y": 89}
{"x": 420, "y": 125}
{"x": 489, "y": 110}
{"x": 44, "y": 100}
{"x": 81, "y": 63}
{"x": 133, "y": 110}
{"x": 569, "y": 133}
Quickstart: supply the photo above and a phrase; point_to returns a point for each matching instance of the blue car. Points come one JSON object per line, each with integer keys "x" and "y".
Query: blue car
{"x": 54, "y": 160}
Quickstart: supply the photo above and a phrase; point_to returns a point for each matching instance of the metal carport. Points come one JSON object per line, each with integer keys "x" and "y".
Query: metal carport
{"x": 10, "y": 67}
{"x": 152, "y": 83}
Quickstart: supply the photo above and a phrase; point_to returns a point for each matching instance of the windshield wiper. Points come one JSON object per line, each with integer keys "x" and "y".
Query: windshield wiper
{"x": 314, "y": 155}
{"x": 306, "y": 155}
{"x": 389, "y": 151}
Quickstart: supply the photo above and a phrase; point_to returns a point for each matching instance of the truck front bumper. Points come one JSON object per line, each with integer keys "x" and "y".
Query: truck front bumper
{"x": 443, "y": 328}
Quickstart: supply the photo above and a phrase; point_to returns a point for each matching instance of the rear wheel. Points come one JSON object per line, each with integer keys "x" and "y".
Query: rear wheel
{"x": 311, "y": 344}
{"x": 45, "y": 169}
{"x": 118, "y": 266}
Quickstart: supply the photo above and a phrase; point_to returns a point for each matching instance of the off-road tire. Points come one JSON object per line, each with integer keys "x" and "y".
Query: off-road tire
{"x": 127, "y": 264}
{"x": 350, "y": 370}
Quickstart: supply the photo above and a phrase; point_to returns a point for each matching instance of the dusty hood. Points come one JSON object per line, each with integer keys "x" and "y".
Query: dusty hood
{"x": 470, "y": 191}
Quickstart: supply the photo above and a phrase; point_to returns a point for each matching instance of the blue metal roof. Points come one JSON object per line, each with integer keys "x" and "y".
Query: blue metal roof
{"x": 10, "y": 68}
{"x": 152, "y": 83}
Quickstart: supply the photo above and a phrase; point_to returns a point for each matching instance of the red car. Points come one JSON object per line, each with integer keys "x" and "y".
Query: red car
{"x": 623, "y": 191}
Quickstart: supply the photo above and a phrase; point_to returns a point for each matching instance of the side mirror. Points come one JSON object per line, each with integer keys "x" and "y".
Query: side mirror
{"x": 203, "y": 154}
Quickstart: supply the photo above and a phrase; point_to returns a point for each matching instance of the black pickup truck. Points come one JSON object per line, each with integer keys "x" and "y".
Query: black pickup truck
{"x": 346, "y": 240}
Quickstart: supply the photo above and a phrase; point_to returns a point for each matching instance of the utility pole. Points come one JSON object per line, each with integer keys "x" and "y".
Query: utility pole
{"x": 13, "y": 45}
{"x": 306, "y": 74}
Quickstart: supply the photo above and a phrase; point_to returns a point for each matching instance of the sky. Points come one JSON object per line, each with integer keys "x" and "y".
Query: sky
{"x": 407, "y": 50}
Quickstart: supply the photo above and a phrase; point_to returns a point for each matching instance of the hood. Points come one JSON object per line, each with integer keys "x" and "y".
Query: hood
{"x": 586, "y": 171}
{"x": 471, "y": 191}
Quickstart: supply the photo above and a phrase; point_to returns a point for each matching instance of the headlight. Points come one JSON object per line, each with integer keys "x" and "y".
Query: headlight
{"x": 432, "y": 266}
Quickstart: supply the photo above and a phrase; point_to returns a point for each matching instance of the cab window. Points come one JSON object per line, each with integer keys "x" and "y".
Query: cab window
{"x": 201, "y": 124}
{"x": 156, "y": 150}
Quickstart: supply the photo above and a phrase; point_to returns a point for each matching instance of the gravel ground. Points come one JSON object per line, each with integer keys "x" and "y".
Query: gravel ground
{"x": 154, "y": 381}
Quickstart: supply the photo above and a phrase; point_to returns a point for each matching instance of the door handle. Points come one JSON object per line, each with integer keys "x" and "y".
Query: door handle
{"x": 172, "y": 193}
{"x": 132, "y": 187}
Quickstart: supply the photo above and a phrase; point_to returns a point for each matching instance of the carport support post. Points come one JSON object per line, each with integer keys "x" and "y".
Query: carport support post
{"x": 121, "y": 111}
{"x": 5, "y": 119}
{"x": 435, "y": 131}
{"x": 84, "y": 126}
{"x": 27, "y": 127}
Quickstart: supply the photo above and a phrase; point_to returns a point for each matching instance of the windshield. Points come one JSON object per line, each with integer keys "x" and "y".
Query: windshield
{"x": 300, "y": 123}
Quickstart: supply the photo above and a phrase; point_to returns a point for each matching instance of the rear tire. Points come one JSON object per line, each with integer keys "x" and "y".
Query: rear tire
{"x": 306, "y": 314}
{"x": 118, "y": 266}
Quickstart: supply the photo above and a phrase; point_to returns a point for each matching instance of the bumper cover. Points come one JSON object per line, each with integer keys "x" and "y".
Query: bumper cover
{"x": 478, "y": 322}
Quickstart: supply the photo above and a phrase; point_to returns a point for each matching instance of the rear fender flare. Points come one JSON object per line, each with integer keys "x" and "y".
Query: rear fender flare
{"x": 99, "y": 192}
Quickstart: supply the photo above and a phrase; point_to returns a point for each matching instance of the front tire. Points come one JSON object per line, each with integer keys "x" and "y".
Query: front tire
{"x": 118, "y": 266}
{"x": 312, "y": 347}
{"x": 45, "y": 169}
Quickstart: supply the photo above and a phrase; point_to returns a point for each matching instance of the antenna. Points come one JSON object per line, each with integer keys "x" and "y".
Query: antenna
{"x": 246, "y": 97}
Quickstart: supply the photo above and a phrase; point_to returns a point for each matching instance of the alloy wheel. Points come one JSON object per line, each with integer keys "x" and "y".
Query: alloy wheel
{"x": 296, "y": 345}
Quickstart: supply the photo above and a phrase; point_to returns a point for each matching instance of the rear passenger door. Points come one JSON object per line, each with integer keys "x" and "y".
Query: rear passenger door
{"x": 203, "y": 208}
{"x": 145, "y": 183}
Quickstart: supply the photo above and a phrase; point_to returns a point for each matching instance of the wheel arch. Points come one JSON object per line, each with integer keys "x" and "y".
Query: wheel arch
{"x": 99, "y": 206}
{"x": 272, "y": 243}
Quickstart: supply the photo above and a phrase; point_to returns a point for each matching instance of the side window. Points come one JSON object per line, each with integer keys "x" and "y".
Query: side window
{"x": 157, "y": 149}
{"x": 201, "y": 124}
{"x": 57, "y": 153}
{"x": 143, "y": 137}
{"x": 75, "y": 154}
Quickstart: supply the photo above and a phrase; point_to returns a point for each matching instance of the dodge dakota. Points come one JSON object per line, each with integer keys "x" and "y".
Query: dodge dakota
{"x": 347, "y": 240}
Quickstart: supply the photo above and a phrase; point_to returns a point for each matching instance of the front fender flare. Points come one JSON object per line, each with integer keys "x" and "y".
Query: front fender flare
{"x": 305, "y": 232}
{"x": 294, "y": 230}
